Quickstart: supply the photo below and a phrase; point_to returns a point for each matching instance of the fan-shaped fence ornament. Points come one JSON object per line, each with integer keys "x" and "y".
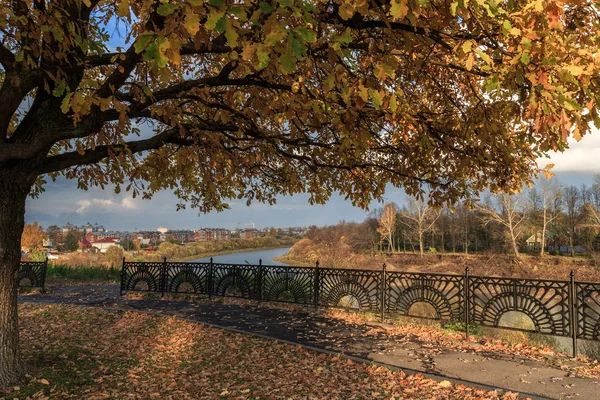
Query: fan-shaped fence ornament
{"x": 32, "y": 274}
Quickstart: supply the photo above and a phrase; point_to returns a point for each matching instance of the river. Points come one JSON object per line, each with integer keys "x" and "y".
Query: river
{"x": 250, "y": 257}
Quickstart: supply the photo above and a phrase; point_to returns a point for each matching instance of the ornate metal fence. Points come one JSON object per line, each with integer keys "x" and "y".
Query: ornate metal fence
{"x": 562, "y": 308}
{"x": 32, "y": 274}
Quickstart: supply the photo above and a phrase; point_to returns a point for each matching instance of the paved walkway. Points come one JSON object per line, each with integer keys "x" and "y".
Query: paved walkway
{"x": 367, "y": 341}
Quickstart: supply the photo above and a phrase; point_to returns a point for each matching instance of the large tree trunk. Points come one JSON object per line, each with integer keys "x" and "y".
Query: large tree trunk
{"x": 14, "y": 189}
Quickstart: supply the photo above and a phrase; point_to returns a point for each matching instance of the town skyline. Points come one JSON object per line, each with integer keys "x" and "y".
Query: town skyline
{"x": 62, "y": 202}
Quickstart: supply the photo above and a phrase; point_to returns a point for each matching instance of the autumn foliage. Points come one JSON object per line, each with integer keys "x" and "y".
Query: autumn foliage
{"x": 33, "y": 237}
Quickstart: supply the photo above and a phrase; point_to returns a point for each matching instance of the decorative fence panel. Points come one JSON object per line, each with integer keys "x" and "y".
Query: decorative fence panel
{"x": 561, "y": 308}
{"x": 32, "y": 274}
{"x": 588, "y": 310}
{"x": 346, "y": 288}
{"x": 288, "y": 284}
{"x": 546, "y": 303}
{"x": 444, "y": 293}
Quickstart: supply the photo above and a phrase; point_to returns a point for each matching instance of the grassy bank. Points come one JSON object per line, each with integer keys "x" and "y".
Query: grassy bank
{"x": 78, "y": 352}
{"x": 59, "y": 272}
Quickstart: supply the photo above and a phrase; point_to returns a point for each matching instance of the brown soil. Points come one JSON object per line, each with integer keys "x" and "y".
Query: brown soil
{"x": 306, "y": 252}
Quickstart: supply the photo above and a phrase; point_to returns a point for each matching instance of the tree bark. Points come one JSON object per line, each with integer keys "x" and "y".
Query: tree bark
{"x": 14, "y": 188}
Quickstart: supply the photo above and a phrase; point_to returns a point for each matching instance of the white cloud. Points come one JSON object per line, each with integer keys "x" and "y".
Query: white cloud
{"x": 581, "y": 156}
{"x": 96, "y": 204}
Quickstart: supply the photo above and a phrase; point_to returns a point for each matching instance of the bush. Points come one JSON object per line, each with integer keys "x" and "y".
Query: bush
{"x": 37, "y": 256}
{"x": 114, "y": 255}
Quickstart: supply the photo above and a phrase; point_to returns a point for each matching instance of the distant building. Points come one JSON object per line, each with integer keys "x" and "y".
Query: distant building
{"x": 66, "y": 228}
{"x": 84, "y": 244}
{"x": 95, "y": 236}
{"x": 249, "y": 233}
{"x": 206, "y": 234}
{"x": 535, "y": 240}
{"x": 182, "y": 236}
{"x": 103, "y": 244}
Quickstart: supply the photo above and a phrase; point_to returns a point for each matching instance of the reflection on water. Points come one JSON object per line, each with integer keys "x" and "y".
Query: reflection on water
{"x": 250, "y": 257}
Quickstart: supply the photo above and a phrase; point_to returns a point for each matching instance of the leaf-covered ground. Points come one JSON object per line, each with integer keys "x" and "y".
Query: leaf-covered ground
{"x": 80, "y": 352}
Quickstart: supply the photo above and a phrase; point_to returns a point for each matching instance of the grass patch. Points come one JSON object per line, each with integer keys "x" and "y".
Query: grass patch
{"x": 78, "y": 352}
{"x": 99, "y": 273}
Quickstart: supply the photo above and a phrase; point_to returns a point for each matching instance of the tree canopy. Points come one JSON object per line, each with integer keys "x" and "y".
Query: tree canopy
{"x": 223, "y": 99}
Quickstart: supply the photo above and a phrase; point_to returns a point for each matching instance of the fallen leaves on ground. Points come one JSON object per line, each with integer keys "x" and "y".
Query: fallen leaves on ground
{"x": 80, "y": 352}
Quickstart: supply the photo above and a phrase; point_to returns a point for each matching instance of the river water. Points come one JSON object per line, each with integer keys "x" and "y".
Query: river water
{"x": 248, "y": 257}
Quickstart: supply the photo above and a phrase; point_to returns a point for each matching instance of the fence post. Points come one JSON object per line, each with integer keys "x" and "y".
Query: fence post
{"x": 122, "y": 276}
{"x": 210, "y": 279}
{"x": 383, "y": 290}
{"x": 467, "y": 305}
{"x": 260, "y": 279}
{"x": 316, "y": 283}
{"x": 44, "y": 272}
{"x": 164, "y": 277}
{"x": 573, "y": 312}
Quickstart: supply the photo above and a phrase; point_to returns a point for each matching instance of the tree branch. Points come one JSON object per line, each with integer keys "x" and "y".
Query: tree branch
{"x": 91, "y": 156}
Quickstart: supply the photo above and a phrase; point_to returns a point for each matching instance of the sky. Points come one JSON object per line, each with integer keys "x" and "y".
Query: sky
{"x": 62, "y": 202}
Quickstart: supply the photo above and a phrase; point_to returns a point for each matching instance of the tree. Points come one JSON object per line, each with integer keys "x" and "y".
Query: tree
{"x": 387, "y": 224}
{"x": 71, "y": 242}
{"x": 32, "y": 237}
{"x": 509, "y": 214}
{"x": 114, "y": 255}
{"x": 542, "y": 200}
{"x": 256, "y": 99}
{"x": 420, "y": 218}
{"x": 571, "y": 203}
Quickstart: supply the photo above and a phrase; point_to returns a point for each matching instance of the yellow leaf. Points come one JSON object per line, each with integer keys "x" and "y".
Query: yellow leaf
{"x": 346, "y": 11}
{"x": 548, "y": 174}
{"x": 467, "y": 46}
{"x": 123, "y": 8}
{"x": 575, "y": 70}
{"x": 445, "y": 384}
{"x": 399, "y": 8}
{"x": 192, "y": 23}
{"x": 469, "y": 62}
{"x": 44, "y": 382}
{"x": 577, "y": 134}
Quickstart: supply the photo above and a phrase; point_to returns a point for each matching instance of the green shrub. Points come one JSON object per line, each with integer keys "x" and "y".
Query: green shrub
{"x": 37, "y": 256}
{"x": 97, "y": 273}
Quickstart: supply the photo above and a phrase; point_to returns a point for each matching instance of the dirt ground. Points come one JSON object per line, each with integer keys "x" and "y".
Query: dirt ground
{"x": 548, "y": 267}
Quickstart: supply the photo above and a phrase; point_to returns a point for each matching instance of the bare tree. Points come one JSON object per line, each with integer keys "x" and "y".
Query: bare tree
{"x": 387, "y": 224}
{"x": 421, "y": 218}
{"x": 541, "y": 199}
{"x": 509, "y": 213}
{"x": 572, "y": 200}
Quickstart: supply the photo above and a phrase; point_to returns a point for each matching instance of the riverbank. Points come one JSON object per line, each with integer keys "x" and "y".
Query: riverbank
{"x": 341, "y": 255}
{"x": 286, "y": 259}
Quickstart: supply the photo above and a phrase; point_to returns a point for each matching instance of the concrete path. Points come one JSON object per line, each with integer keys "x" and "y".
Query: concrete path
{"x": 366, "y": 341}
